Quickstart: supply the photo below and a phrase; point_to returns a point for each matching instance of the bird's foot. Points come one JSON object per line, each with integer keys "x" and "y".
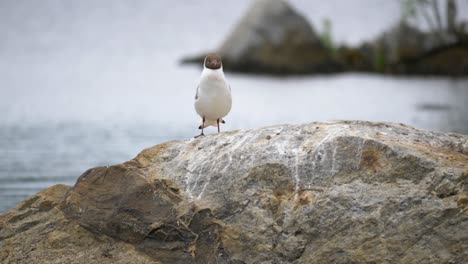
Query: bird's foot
{"x": 200, "y": 127}
{"x": 223, "y": 122}
{"x": 199, "y": 135}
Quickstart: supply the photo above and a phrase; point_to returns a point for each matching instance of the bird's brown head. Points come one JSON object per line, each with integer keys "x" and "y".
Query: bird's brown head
{"x": 213, "y": 61}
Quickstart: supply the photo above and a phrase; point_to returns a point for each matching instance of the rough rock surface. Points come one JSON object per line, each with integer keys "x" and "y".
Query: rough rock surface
{"x": 37, "y": 231}
{"x": 331, "y": 192}
{"x": 272, "y": 37}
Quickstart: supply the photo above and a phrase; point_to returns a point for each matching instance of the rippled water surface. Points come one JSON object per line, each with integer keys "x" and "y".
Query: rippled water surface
{"x": 90, "y": 83}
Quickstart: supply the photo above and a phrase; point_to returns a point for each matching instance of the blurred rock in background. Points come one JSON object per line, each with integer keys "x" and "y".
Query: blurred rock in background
{"x": 274, "y": 38}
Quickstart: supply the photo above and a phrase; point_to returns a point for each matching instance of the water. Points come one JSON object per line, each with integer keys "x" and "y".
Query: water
{"x": 87, "y": 83}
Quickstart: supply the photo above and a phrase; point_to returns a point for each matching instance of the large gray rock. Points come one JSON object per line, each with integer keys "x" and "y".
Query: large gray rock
{"x": 332, "y": 192}
{"x": 272, "y": 37}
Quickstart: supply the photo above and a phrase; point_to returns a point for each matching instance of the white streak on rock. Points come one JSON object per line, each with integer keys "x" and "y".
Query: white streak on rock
{"x": 188, "y": 178}
{"x": 296, "y": 173}
{"x": 203, "y": 190}
{"x": 333, "y": 168}
{"x": 359, "y": 151}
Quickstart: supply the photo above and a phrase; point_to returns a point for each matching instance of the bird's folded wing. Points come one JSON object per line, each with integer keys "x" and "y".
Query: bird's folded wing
{"x": 196, "y": 93}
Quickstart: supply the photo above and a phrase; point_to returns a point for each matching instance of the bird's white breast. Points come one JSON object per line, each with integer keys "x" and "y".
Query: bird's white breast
{"x": 214, "y": 96}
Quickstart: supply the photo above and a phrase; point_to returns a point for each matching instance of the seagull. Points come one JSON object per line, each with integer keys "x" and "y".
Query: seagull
{"x": 213, "y": 99}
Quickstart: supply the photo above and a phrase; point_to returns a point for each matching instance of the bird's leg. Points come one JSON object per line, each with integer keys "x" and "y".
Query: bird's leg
{"x": 217, "y": 122}
{"x": 203, "y": 125}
